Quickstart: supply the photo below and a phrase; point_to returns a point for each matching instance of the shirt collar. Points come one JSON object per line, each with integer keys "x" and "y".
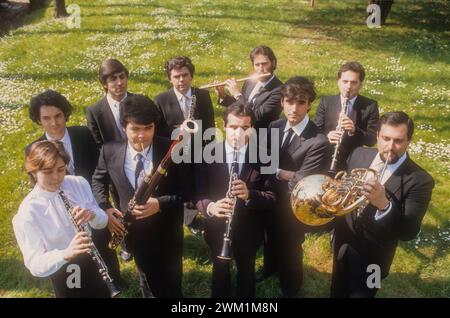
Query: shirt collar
{"x": 390, "y": 167}
{"x": 298, "y": 129}
{"x": 352, "y": 101}
{"x": 179, "y": 95}
{"x": 229, "y": 149}
{"x": 112, "y": 102}
{"x": 263, "y": 84}
{"x": 38, "y": 191}
{"x": 65, "y": 139}
{"x": 133, "y": 152}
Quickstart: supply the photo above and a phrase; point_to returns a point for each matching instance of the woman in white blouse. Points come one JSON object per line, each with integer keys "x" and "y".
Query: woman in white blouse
{"x": 50, "y": 244}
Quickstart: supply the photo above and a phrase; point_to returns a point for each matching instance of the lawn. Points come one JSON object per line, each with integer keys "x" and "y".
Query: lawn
{"x": 407, "y": 64}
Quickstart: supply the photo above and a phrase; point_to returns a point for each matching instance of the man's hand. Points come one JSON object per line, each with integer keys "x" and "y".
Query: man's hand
{"x": 82, "y": 215}
{"x": 374, "y": 191}
{"x": 220, "y": 90}
{"x": 80, "y": 244}
{"x": 286, "y": 175}
{"x": 232, "y": 87}
{"x": 222, "y": 208}
{"x": 148, "y": 209}
{"x": 114, "y": 225}
{"x": 348, "y": 125}
{"x": 239, "y": 189}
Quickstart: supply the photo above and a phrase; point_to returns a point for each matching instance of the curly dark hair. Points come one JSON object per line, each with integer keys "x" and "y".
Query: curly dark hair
{"x": 48, "y": 98}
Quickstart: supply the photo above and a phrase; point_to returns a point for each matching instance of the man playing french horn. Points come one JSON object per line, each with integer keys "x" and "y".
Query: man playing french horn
{"x": 365, "y": 240}
{"x": 232, "y": 194}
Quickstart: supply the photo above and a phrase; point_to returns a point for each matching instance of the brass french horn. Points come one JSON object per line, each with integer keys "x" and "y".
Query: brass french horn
{"x": 317, "y": 199}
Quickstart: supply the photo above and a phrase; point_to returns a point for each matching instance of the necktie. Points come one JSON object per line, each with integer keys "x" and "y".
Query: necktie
{"x": 184, "y": 106}
{"x": 287, "y": 140}
{"x": 117, "y": 117}
{"x": 349, "y": 108}
{"x": 139, "y": 169}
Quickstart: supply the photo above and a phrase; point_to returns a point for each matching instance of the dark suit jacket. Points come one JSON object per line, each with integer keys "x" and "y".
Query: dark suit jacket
{"x": 409, "y": 190}
{"x": 305, "y": 155}
{"x": 172, "y": 116}
{"x": 267, "y": 104}
{"x": 364, "y": 114}
{"x": 101, "y": 123}
{"x": 110, "y": 169}
{"x": 212, "y": 185}
{"x": 85, "y": 152}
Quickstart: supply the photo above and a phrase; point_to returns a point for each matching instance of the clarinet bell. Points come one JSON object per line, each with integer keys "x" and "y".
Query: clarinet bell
{"x": 225, "y": 253}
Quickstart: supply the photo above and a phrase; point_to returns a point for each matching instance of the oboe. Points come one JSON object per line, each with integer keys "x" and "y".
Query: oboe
{"x": 94, "y": 253}
{"x": 225, "y": 252}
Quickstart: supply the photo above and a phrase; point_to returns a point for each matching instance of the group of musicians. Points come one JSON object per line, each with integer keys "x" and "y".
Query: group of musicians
{"x": 99, "y": 168}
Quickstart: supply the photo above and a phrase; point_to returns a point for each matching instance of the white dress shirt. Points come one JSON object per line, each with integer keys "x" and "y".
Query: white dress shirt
{"x": 229, "y": 156}
{"x": 185, "y": 109}
{"x": 229, "y": 153}
{"x": 67, "y": 147}
{"x": 42, "y": 226}
{"x": 259, "y": 85}
{"x": 390, "y": 169}
{"x": 115, "y": 109}
{"x": 131, "y": 162}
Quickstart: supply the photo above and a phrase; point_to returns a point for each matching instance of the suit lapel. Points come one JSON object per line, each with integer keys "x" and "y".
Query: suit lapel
{"x": 106, "y": 116}
{"x": 122, "y": 154}
{"x": 76, "y": 149}
{"x": 175, "y": 107}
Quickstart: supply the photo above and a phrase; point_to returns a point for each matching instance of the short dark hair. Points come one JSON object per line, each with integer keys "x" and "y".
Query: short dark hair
{"x": 110, "y": 67}
{"x": 178, "y": 63}
{"x": 354, "y": 67}
{"x": 264, "y": 50}
{"x": 139, "y": 109}
{"x": 48, "y": 98}
{"x": 397, "y": 118}
{"x": 239, "y": 108}
{"x": 298, "y": 88}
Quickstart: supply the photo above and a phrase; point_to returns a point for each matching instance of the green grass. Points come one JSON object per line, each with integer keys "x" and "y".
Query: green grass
{"x": 407, "y": 66}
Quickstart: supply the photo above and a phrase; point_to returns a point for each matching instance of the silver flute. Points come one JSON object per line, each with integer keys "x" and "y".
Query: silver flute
{"x": 94, "y": 253}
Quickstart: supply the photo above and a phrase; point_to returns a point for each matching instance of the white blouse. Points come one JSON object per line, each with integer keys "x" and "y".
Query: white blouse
{"x": 42, "y": 226}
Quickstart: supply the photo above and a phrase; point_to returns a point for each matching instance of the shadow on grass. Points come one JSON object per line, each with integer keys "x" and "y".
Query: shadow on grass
{"x": 26, "y": 17}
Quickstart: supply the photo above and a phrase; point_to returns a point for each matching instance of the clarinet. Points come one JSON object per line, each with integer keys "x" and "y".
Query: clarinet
{"x": 339, "y": 128}
{"x": 94, "y": 253}
{"x": 226, "y": 245}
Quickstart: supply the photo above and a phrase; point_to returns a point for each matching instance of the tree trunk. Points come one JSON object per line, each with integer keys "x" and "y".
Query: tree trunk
{"x": 60, "y": 9}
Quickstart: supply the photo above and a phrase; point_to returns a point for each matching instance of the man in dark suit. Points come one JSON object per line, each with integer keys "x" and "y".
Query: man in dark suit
{"x": 264, "y": 97}
{"x": 252, "y": 195}
{"x": 365, "y": 241}
{"x": 154, "y": 236}
{"x": 103, "y": 119}
{"x": 302, "y": 151}
{"x": 175, "y": 106}
{"x": 52, "y": 110}
{"x": 359, "y": 123}
{"x": 262, "y": 94}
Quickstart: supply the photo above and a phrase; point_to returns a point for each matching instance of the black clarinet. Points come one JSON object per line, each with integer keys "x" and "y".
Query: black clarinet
{"x": 94, "y": 253}
{"x": 226, "y": 245}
